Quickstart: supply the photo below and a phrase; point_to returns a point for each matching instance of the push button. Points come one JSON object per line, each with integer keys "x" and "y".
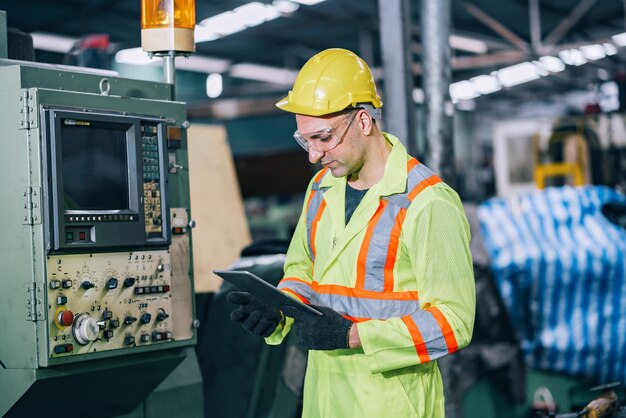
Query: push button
{"x": 82, "y": 236}
{"x": 61, "y": 300}
{"x": 70, "y": 236}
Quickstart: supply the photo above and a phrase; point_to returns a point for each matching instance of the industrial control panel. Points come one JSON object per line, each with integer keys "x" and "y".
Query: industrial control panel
{"x": 97, "y": 284}
{"x": 108, "y": 301}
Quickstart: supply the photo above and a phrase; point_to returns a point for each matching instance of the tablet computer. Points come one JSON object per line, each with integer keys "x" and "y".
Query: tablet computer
{"x": 249, "y": 282}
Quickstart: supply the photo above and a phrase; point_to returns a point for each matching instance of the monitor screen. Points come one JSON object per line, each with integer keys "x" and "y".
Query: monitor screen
{"x": 95, "y": 168}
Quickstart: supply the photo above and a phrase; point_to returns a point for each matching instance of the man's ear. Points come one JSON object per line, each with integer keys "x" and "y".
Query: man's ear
{"x": 365, "y": 122}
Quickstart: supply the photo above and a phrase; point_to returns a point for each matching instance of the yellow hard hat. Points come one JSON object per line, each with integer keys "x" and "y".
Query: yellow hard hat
{"x": 331, "y": 81}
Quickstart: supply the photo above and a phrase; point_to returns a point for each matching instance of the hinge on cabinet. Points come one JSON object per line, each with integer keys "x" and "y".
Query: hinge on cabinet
{"x": 32, "y": 205}
{"x": 25, "y": 110}
{"x": 34, "y": 302}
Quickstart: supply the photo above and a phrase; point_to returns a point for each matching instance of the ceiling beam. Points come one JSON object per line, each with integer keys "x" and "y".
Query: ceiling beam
{"x": 568, "y": 22}
{"x": 535, "y": 25}
{"x": 497, "y": 27}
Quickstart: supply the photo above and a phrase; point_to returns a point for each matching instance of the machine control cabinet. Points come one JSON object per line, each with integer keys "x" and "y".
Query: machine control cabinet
{"x": 94, "y": 285}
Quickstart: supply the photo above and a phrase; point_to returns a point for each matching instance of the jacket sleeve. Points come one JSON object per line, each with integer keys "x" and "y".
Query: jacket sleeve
{"x": 436, "y": 241}
{"x": 298, "y": 272}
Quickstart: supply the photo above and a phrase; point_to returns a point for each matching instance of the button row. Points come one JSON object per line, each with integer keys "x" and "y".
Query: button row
{"x": 100, "y": 218}
{"x": 144, "y": 290}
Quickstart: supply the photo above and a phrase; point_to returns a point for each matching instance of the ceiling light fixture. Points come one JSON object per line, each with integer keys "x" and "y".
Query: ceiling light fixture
{"x": 464, "y": 43}
{"x": 214, "y": 85}
{"x": 236, "y": 20}
{"x": 264, "y": 73}
{"x": 54, "y": 43}
{"x": 517, "y": 74}
{"x": 552, "y": 64}
{"x": 486, "y": 84}
{"x": 619, "y": 39}
{"x": 463, "y": 90}
{"x": 610, "y": 49}
{"x": 593, "y": 52}
{"x": 573, "y": 57}
{"x": 285, "y": 6}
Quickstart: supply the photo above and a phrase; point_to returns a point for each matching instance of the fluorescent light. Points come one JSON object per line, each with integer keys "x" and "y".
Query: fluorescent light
{"x": 619, "y": 39}
{"x": 572, "y": 57}
{"x": 552, "y": 64}
{"x": 200, "y": 64}
{"x": 285, "y": 6}
{"x": 418, "y": 95}
{"x": 463, "y": 90}
{"x": 134, "y": 56}
{"x": 54, "y": 43}
{"x": 214, "y": 85}
{"x": 263, "y": 73}
{"x": 610, "y": 49}
{"x": 196, "y": 63}
{"x": 204, "y": 34}
{"x": 517, "y": 74}
{"x": 593, "y": 52}
{"x": 467, "y": 44}
{"x": 227, "y": 23}
{"x": 308, "y": 2}
{"x": 486, "y": 84}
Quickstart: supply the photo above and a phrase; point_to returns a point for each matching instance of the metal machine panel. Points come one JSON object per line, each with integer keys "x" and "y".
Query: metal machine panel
{"x": 40, "y": 286}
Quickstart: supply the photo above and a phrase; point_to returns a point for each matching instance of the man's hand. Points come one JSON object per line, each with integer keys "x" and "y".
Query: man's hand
{"x": 328, "y": 332}
{"x": 255, "y": 316}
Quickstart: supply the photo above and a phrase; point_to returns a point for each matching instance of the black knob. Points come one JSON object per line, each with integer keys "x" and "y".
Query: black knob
{"x": 129, "y": 320}
{"x": 107, "y": 314}
{"x": 145, "y": 318}
{"x": 111, "y": 283}
{"x": 108, "y": 334}
{"x": 129, "y": 281}
{"x": 87, "y": 285}
{"x": 162, "y": 315}
{"x": 114, "y": 323}
{"x": 129, "y": 340}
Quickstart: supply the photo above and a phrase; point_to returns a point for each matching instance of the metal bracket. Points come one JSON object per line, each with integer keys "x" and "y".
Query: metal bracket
{"x": 32, "y": 206}
{"x": 27, "y": 110}
{"x": 34, "y": 302}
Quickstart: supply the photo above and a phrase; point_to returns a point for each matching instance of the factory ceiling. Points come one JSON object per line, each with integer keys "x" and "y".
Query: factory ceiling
{"x": 508, "y": 32}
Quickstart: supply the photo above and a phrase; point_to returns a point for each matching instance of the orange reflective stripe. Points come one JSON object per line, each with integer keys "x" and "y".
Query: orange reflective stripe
{"x": 315, "y": 180}
{"x": 335, "y": 289}
{"x": 300, "y": 298}
{"x": 318, "y": 215}
{"x": 418, "y": 341}
{"x": 446, "y": 330}
{"x": 362, "y": 260}
{"x": 431, "y": 181}
{"x": 392, "y": 251}
{"x": 412, "y": 163}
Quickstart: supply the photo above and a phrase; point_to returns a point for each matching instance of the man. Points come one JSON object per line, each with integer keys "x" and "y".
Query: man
{"x": 381, "y": 248}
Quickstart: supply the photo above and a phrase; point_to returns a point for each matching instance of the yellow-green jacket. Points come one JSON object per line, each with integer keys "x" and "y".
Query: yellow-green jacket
{"x": 401, "y": 269}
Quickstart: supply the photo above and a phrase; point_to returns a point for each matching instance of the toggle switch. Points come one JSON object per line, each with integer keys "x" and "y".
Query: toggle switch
{"x": 129, "y": 320}
{"x": 162, "y": 315}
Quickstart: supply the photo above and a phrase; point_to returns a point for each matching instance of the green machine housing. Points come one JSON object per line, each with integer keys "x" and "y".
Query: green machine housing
{"x": 96, "y": 291}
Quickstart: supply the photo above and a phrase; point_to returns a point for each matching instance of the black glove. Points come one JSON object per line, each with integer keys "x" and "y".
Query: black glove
{"x": 255, "y": 316}
{"x": 328, "y": 332}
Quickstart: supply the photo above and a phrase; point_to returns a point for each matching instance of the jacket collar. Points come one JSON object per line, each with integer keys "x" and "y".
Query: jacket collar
{"x": 395, "y": 176}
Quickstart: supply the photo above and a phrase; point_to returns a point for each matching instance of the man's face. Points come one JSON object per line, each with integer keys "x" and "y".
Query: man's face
{"x": 347, "y": 157}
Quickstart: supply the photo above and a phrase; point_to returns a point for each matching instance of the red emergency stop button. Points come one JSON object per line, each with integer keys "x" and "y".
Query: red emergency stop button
{"x": 66, "y": 318}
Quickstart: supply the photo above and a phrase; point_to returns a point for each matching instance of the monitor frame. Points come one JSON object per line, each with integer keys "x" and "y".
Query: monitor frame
{"x": 105, "y": 230}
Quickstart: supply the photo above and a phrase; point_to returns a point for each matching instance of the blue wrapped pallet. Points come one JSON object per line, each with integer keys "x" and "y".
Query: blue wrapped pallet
{"x": 559, "y": 264}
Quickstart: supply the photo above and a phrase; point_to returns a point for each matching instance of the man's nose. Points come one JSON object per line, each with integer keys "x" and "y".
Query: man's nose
{"x": 315, "y": 156}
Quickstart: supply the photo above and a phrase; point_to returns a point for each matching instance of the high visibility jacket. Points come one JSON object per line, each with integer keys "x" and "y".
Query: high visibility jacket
{"x": 401, "y": 270}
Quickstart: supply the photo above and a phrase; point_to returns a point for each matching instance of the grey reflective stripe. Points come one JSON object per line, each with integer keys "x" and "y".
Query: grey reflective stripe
{"x": 311, "y": 211}
{"x": 431, "y": 334}
{"x": 378, "y": 247}
{"x": 365, "y": 308}
{"x": 300, "y": 288}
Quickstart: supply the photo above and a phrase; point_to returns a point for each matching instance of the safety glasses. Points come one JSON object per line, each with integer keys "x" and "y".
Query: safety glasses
{"x": 326, "y": 139}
